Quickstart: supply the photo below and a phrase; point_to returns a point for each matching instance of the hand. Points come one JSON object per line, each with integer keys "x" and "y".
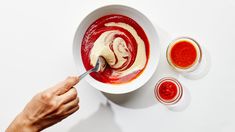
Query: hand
{"x": 48, "y": 107}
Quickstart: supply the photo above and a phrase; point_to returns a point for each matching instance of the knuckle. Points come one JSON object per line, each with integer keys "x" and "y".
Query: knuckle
{"x": 57, "y": 113}
{"x": 46, "y": 96}
{"x": 76, "y": 108}
{"x": 66, "y": 86}
{"x": 77, "y": 101}
{"x": 71, "y": 79}
{"x": 53, "y": 104}
{"x": 74, "y": 92}
{"x": 68, "y": 83}
{"x": 49, "y": 100}
{"x": 60, "y": 111}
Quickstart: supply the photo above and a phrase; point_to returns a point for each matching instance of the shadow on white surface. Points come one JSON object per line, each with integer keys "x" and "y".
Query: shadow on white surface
{"x": 203, "y": 69}
{"x": 101, "y": 121}
{"x": 183, "y": 103}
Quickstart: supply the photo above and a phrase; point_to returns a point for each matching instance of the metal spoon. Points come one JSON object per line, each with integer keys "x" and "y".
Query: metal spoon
{"x": 99, "y": 66}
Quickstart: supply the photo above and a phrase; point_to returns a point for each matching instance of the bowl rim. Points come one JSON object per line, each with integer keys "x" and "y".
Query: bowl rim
{"x": 118, "y": 88}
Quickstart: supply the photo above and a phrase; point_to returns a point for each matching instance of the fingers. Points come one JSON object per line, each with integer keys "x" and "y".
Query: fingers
{"x": 68, "y": 113}
{"x": 67, "y": 108}
{"x": 65, "y": 85}
{"x": 68, "y": 96}
{"x": 71, "y": 111}
{"x": 70, "y": 105}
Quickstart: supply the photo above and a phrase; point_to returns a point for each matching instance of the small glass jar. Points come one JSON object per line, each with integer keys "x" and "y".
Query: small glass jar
{"x": 168, "y": 91}
{"x": 184, "y": 54}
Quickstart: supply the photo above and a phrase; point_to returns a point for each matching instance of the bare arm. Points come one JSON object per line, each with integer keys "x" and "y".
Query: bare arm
{"x": 47, "y": 108}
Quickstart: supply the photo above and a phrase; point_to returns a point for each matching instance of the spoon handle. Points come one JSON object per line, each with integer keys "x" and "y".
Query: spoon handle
{"x": 85, "y": 73}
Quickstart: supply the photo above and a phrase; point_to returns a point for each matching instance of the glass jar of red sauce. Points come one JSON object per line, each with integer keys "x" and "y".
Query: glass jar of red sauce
{"x": 168, "y": 91}
{"x": 184, "y": 54}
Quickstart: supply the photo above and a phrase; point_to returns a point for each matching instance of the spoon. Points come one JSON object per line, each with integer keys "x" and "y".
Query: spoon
{"x": 99, "y": 66}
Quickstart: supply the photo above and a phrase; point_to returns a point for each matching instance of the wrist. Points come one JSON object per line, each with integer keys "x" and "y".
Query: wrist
{"x": 22, "y": 124}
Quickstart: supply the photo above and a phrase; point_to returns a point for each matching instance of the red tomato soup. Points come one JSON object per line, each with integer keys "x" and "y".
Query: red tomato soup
{"x": 168, "y": 90}
{"x": 123, "y": 44}
{"x": 183, "y": 53}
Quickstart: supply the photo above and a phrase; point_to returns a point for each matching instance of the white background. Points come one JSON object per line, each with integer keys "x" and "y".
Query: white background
{"x": 36, "y": 52}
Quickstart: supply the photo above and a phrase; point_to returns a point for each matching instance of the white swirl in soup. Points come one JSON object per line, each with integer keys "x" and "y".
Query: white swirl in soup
{"x": 123, "y": 44}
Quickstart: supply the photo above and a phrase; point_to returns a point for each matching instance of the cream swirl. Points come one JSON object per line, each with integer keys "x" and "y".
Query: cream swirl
{"x": 116, "y": 52}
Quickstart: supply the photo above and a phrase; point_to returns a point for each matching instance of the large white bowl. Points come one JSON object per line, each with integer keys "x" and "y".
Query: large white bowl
{"x": 150, "y": 31}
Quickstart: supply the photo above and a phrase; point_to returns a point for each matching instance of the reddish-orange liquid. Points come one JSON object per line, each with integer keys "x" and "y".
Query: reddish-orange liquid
{"x": 167, "y": 90}
{"x": 183, "y": 54}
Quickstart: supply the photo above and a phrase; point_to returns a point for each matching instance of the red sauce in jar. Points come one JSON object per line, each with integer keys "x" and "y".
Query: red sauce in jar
{"x": 168, "y": 90}
{"x": 183, "y": 54}
{"x": 96, "y": 29}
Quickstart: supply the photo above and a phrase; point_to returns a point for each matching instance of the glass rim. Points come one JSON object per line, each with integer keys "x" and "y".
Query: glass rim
{"x": 197, "y": 61}
{"x": 179, "y": 92}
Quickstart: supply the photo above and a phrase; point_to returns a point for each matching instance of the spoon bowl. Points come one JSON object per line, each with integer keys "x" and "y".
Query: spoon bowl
{"x": 99, "y": 67}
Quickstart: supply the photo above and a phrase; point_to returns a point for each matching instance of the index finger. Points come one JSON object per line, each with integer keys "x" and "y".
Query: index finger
{"x": 65, "y": 85}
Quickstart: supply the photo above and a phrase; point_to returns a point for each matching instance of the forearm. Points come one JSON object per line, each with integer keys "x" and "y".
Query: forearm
{"x": 47, "y": 107}
{"x": 21, "y": 124}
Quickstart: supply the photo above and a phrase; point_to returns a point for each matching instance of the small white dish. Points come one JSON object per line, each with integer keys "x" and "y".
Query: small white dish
{"x": 154, "y": 55}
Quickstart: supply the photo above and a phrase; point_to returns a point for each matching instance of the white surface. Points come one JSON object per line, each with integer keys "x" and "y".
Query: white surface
{"x": 36, "y": 52}
{"x": 153, "y": 38}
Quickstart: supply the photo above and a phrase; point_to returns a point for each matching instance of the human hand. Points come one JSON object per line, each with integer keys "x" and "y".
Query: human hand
{"x": 48, "y": 107}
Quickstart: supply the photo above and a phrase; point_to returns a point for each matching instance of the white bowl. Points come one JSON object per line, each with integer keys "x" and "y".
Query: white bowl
{"x": 151, "y": 33}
